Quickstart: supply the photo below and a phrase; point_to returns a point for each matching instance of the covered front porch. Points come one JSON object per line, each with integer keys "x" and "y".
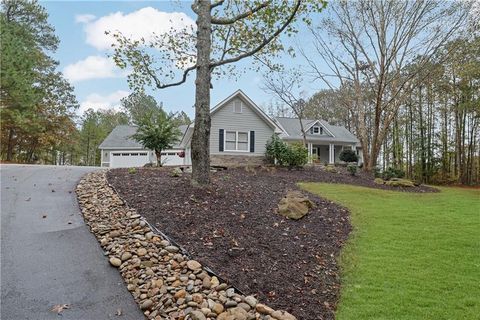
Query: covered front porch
{"x": 327, "y": 152}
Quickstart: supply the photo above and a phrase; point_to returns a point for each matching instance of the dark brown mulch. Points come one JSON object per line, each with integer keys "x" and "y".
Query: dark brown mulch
{"x": 233, "y": 228}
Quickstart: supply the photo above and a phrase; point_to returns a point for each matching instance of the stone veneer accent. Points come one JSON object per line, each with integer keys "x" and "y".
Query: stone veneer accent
{"x": 235, "y": 160}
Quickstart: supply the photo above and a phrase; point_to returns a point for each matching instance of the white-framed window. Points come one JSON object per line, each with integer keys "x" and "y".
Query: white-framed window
{"x": 237, "y": 106}
{"x": 317, "y": 130}
{"x": 237, "y": 141}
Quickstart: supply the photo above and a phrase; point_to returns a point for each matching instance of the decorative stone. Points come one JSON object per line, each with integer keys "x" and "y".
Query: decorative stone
{"x": 263, "y": 309}
{"x": 252, "y": 302}
{"x": 197, "y": 315}
{"x": 282, "y": 315}
{"x": 115, "y": 262}
{"x": 126, "y": 255}
{"x": 141, "y": 252}
{"x": 147, "y": 304}
{"x": 180, "y": 294}
{"x": 193, "y": 265}
{"x": 218, "y": 308}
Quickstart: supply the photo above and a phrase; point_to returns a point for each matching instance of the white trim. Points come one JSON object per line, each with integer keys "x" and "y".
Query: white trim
{"x": 236, "y": 141}
{"x": 321, "y": 124}
{"x": 331, "y": 153}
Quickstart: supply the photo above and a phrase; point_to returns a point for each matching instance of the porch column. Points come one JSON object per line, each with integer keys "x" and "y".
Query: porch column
{"x": 331, "y": 154}
{"x": 310, "y": 151}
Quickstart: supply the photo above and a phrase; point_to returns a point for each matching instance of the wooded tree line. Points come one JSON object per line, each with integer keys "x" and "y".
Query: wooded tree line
{"x": 434, "y": 134}
{"x": 37, "y": 103}
{"x": 39, "y": 122}
{"x": 404, "y": 77}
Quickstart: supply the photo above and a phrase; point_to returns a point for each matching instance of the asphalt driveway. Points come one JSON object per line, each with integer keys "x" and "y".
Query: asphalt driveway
{"x": 48, "y": 255}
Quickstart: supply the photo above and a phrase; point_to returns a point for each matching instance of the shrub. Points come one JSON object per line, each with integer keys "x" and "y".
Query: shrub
{"x": 275, "y": 149}
{"x": 391, "y": 172}
{"x": 352, "y": 168}
{"x": 294, "y": 155}
{"x": 348, "y": 155}
{"x": 132, "y": 170}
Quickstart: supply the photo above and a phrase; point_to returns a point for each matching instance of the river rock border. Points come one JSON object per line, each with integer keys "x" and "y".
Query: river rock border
{"x": 163, "y": 280}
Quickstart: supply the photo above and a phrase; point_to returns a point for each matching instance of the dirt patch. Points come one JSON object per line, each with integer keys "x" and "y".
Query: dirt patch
{"x": 233, "y": 228}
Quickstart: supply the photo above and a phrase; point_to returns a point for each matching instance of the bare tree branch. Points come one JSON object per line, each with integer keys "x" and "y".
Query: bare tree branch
{"x": 224, "y": 21}
{"x": 263, "y": 43}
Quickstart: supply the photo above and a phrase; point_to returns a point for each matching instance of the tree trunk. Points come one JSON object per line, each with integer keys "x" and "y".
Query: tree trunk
{"x": 158, "y": 154}
{"x": 10, "y": 145}
{"x": 201, "y": 131}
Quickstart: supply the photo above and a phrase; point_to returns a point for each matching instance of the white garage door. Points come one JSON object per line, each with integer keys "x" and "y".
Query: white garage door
{"x": 172, "y": 158}
{"x": 128, "y": 159}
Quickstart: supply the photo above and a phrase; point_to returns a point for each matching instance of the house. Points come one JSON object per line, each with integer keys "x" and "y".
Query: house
{"x": 239, "y": 133}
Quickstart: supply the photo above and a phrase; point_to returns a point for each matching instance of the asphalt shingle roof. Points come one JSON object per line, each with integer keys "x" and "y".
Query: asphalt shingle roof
{"x": 121, "y": 138}
{"x": 293, "y": 129}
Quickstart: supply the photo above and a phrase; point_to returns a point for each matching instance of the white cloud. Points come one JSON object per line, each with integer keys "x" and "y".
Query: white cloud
{"x": 92, "y": 67}
{"x": 136, "y": 25}
{"x": 84, "y": 18}
{"x": 97, "y": 101}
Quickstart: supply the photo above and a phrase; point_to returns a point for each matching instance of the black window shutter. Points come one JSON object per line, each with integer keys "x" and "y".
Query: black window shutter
{"x": 220, "y": 140}
{"x": 252, "y": 141}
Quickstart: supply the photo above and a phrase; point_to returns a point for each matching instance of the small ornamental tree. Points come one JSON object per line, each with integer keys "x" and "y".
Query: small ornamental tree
{"x": 348, "y": 155}
{"x": 157, "y": 131}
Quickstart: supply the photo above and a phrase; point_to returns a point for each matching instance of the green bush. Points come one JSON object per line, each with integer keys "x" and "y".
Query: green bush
{"x": 275, "y": 149}
{"x": 391, "y": 172}
{"x": 348, "y": 155}
{"x": 352, "y": 168}
{"x": 132, "y": 170}
{"x": 294, "y": 155}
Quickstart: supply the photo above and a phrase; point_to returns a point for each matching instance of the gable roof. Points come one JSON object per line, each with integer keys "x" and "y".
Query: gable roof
{"x": 256, "y": 109}
{"x": 121, "y": 138}
{"x": 293, "y": 130}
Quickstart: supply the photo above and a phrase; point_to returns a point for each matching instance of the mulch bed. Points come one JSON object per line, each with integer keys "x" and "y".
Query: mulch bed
{"x": 233, "y": 228}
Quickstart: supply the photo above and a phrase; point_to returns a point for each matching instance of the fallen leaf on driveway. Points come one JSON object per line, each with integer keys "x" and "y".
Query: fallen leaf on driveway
{"x": 59, "y": 308}
{"x": 44, "y": 216}
{"x": 119, "y": 312}
{"x": 69, "y": 222}
{"x": 28, "y": 199}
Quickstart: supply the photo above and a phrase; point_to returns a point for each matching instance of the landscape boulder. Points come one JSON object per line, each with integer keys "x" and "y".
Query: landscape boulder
{"x": 379, "y": 181}
{"x": 397, "y": 182}
{"x": 295, "y": 205}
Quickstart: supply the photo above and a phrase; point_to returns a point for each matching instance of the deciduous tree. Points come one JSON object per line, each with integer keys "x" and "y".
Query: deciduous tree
{"x": 226, "y": 32}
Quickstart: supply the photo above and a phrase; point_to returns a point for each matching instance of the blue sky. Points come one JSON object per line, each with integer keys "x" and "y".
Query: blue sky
{"x": 99, "y": 84}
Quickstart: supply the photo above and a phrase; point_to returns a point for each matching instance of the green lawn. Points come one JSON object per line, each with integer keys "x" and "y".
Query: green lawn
{"x": 411, "y": 256}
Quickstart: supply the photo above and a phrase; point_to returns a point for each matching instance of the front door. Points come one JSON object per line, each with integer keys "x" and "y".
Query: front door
{"x": 315, "y": 155}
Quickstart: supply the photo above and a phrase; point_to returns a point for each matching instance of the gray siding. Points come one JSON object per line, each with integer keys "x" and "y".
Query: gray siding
{"x": 225, "y": 118}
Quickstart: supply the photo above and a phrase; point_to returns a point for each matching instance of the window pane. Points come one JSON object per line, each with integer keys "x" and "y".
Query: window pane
{"x": 243, "y": 146}
{"x": 230, "y": 145}
{"x": 230, "y": 136}
{"x": 242, "y": 137}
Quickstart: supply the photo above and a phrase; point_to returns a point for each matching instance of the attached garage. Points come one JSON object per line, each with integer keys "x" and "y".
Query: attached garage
{"x": 173, "y": 157}
{"x": 120, "y": 150}
{"x": 127, "y": 159}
